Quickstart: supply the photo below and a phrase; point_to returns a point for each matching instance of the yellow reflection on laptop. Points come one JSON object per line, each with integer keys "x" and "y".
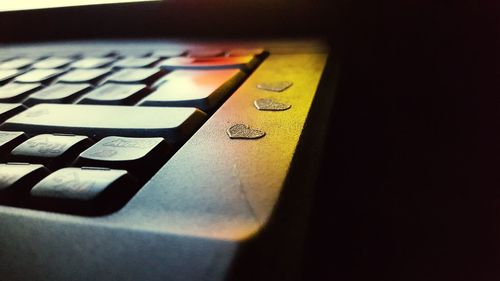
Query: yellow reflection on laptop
{"x": 37, "y": 4}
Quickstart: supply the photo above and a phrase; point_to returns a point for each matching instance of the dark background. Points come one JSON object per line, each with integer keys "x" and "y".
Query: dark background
{"x": 409, "y": 188}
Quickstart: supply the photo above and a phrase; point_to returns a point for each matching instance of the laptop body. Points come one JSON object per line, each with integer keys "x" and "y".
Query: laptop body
{"x": 219, "y": 208}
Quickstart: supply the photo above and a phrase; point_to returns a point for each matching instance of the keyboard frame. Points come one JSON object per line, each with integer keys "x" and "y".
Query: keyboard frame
{"x": 220, "y": 209}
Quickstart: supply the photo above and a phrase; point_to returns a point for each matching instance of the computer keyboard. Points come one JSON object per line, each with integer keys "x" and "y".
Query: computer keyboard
{"x": 82, "y": 131}
{"x": 159, "y": 160}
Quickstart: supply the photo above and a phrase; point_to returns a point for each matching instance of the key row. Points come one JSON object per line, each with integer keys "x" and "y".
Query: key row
{"x": 138, "y": 53}
{"x": 77, "y": 190}
{"x": 127, "y": 62}
{"x": 54, "y": 151}
{"x": 192, "y": 88}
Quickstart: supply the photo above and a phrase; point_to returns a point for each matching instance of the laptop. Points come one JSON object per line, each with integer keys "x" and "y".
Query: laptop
{"x": 159, "y": 140}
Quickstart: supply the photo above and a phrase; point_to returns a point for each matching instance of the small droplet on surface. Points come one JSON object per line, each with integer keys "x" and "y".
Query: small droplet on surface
{"x": 278, "y": 86}
{"x": 242, "y": 131}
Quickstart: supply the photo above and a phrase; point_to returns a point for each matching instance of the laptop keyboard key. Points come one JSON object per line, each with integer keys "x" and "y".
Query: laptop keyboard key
{"x": 168, "y": 53}
{"x": 203, "y": 53}
{"x": 9, "y": 140}
{"x": 39, "y": 76}
{"x": 51, "y": 150}
{"x": 8, "y": 110}
{"x": 53, "y": 62}
{"x": 58, "y": 93}
{"x": 203, "y": 89}
{"x": 84, "y": 76}
{"x": 139, "y": 156}
{"x": 130, "y": 76}
{"x": 92, "y": 62}
{"x": 245, "y": 62}
{"x": 174, "y": 124}
{"x": 16, "y": 179}
{"x": 8, "y": 74}
{"x": 135, "y": 62}
{"x": 15, "y": 92}
{"x": 118, "y": 94}
{"x": 17, "y": 63}
{"x": 84, "y": 190}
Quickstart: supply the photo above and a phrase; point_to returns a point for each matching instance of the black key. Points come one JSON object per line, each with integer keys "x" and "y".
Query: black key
{"x": 203, "y": 89}
{"x": 84, "y": 76}
{"x": 39, "y": 76}
{"x": 85, "y": 190}
{"x": 9, "y": 140}
{"x": 53, "y": 62}
{"x": 245, "y": 62}
{"x": 15, "y": 92}
{"x": 131, "y": 76}
{"x": 58, "y": 93}
{"x": 17, "y": 63}
{"x": 134, "y": 62}
{"x": 174, "y": 124}
{"x": 134, "y": 53}
{"x": 168, "y": 53}
{"x": 115, "y": 94}
{"x": 92, "y": 62}
{"x": 139, "y": 156}
{"x": 203, "y": 53}
{"x": 98, "y": 53}
{"x": 51, "y": 150}
{"x": 16, "y": 179}
{"x": 8, "y": 74}
{"x": 8, "y": 110}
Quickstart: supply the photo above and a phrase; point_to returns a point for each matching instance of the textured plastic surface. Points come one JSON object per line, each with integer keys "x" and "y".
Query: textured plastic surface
{"x": 190, "y": 220}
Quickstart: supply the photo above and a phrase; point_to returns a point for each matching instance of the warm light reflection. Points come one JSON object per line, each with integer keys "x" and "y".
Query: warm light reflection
{"x": 7, "y": 5}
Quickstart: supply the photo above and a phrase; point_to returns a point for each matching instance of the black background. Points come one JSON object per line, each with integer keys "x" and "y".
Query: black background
{"x": 409, "y": 188}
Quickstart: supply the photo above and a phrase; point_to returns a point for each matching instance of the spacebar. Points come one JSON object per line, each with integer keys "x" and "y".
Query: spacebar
{"x": 175, "y": 124}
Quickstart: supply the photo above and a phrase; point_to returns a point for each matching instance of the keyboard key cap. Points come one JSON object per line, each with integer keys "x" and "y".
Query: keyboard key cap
{"x": 17, "y": 63}
{"x": 52, "y": 62}
{"x": 58, "y": 93}
{"x": 8, "y": 74}
{"x": 8, "y": 110}
{"x": 203, "y": 53}
{"x": 87, "y": 191}
{"x": 203, "y": 89}
{"x": 139, "y": 53}
{"x": 143, "y": 76}
{"x": 39, "y": 76}
{"x": 139, "y": 156}
{"x": 9, "y": 140}
{"x": 134, "y": 62}
{"x": 174, "y": 124}
{"x": 15, "y": 92}
{"x": 168, "y": 53}
{"x": 84, "y": 76}
{"x": 115, "y": 94}
{"x": 92, "y": 62}
{"x": 51, "y": 150}
{"x": 245, "y": 62}
{"x": 16, "y": 179}
{"x": 98, "y": 53}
